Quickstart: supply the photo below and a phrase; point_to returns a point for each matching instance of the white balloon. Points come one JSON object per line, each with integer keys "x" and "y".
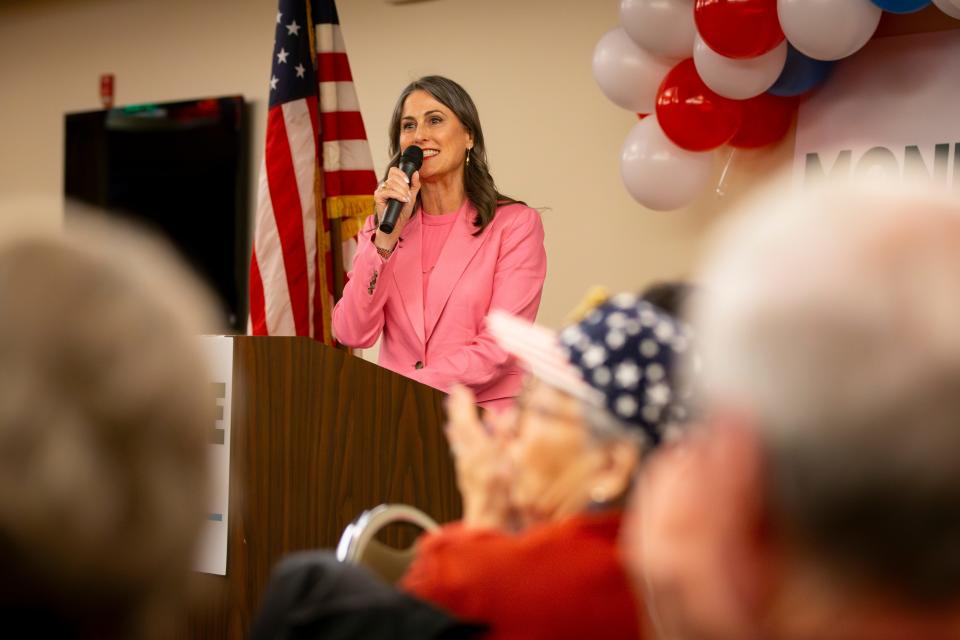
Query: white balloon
{"x": 949, "y": 7}
{"x": 659, "y": 174}
{"x": 828, "y": 29}
{"x": 662, "y": 27}
{"x": 738, "y": 79}
{"x": 627, "y": 74}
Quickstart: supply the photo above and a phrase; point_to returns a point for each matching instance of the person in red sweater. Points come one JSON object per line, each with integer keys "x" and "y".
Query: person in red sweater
{"x": 536, "y": 553}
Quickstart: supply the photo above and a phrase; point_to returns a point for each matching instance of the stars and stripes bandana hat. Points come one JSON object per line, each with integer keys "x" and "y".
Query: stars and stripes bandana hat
{"x": 622, "y": 357}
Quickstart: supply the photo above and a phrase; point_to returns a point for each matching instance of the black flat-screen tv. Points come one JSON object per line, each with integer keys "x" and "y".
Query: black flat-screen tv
{"x": 179, "y": 168}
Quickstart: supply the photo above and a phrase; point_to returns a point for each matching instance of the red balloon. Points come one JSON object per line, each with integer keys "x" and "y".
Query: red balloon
{"x": 694, "y": 117}
{"x": 766, "y": 119}
{"x": 738, "y": 28}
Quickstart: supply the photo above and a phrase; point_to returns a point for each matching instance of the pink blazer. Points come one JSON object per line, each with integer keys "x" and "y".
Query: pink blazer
{"x": 502, "y": 268}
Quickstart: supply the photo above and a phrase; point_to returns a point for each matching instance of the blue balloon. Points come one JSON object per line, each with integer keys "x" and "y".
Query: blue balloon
{"x": 901, "y": 6}
{"x": 800, "y": 74}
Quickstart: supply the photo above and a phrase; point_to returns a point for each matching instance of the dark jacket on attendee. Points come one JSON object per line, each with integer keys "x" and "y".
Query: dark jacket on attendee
{"x": 312, "y": 596}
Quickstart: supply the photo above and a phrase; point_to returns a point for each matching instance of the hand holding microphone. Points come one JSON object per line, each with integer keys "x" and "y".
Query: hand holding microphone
{"x": 395, "y": 197}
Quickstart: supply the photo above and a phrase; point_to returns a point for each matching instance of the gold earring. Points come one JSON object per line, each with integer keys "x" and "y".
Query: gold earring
{"x": 468, "y": 156}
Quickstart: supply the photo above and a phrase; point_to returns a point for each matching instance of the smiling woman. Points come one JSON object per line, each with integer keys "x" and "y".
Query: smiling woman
{"x": 459, "y": 250}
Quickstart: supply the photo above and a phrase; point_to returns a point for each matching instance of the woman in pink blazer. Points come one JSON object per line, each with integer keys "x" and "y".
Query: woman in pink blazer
{"x": 459, "y": 250}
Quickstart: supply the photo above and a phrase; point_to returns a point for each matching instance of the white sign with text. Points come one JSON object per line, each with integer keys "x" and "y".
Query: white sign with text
{"x": 892, "y": 109}
{"x": 212, "y": 549}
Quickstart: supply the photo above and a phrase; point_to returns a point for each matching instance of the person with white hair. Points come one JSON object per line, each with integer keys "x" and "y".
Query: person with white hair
{"x": 536, "y": 553}
{"x": 106, "y": 413}
{"x": 820, "y": 498}
{"x": 543, "y": 485}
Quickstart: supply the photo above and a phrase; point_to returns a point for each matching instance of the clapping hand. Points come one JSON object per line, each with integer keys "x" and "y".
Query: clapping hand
{"x": 480, "y": 457}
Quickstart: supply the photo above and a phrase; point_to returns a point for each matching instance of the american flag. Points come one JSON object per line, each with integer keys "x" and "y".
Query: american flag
{"x": 316, "y": 178}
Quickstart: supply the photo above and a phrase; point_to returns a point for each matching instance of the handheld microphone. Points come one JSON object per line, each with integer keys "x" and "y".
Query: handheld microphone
{"x": 410, "y": 162}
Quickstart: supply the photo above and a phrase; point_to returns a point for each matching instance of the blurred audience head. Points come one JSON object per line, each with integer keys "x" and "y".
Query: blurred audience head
{"x": 672, "y": 296}
{"x": 821, "y": 498}
{"x": 105, "y": 412}
{"x": 600, "y": 394}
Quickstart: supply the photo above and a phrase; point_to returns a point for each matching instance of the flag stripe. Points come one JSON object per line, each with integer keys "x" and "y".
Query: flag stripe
{"x": 338, "y": 96}
{"x": 281, "y": 179}
{"x": 361, "y": 182}
{"x": 347, "y": 155}
{"x": 300, "y": 119}
{"x": 273, "y": 274}
{"x": 329, "y": 39}
{"x": 342, "y": 125}
{"x": 334, "y": 66}
{"x": 258, "y": 317}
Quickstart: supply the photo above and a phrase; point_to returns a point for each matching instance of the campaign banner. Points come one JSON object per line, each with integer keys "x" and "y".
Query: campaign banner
{"x": 891, "y": 110}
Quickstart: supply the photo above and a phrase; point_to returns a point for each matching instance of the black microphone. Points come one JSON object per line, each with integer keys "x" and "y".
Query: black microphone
{"x": 410, "y": 162}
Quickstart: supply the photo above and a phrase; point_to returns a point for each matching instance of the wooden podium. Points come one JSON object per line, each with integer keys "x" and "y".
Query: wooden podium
{"x": 317, "y": 437}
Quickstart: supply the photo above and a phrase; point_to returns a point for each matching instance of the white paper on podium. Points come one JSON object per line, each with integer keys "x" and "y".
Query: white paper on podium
{"x": 890, "y": 110}
{"x": 212, "y": 547}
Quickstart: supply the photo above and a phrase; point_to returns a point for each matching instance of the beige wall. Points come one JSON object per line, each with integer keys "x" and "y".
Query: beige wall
{"x": 52, "y": 53}
{"x": 553, "y": 138}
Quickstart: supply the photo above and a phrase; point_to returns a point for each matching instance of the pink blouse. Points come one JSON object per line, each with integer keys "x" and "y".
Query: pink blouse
{"x": 436, "y": 230}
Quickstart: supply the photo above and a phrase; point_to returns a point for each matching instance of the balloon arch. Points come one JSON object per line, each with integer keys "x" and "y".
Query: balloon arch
{"x": 716, "y": 72}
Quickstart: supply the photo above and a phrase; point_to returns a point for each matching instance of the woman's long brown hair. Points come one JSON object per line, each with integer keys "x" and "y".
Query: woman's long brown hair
{"x": 477, "y": 181}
